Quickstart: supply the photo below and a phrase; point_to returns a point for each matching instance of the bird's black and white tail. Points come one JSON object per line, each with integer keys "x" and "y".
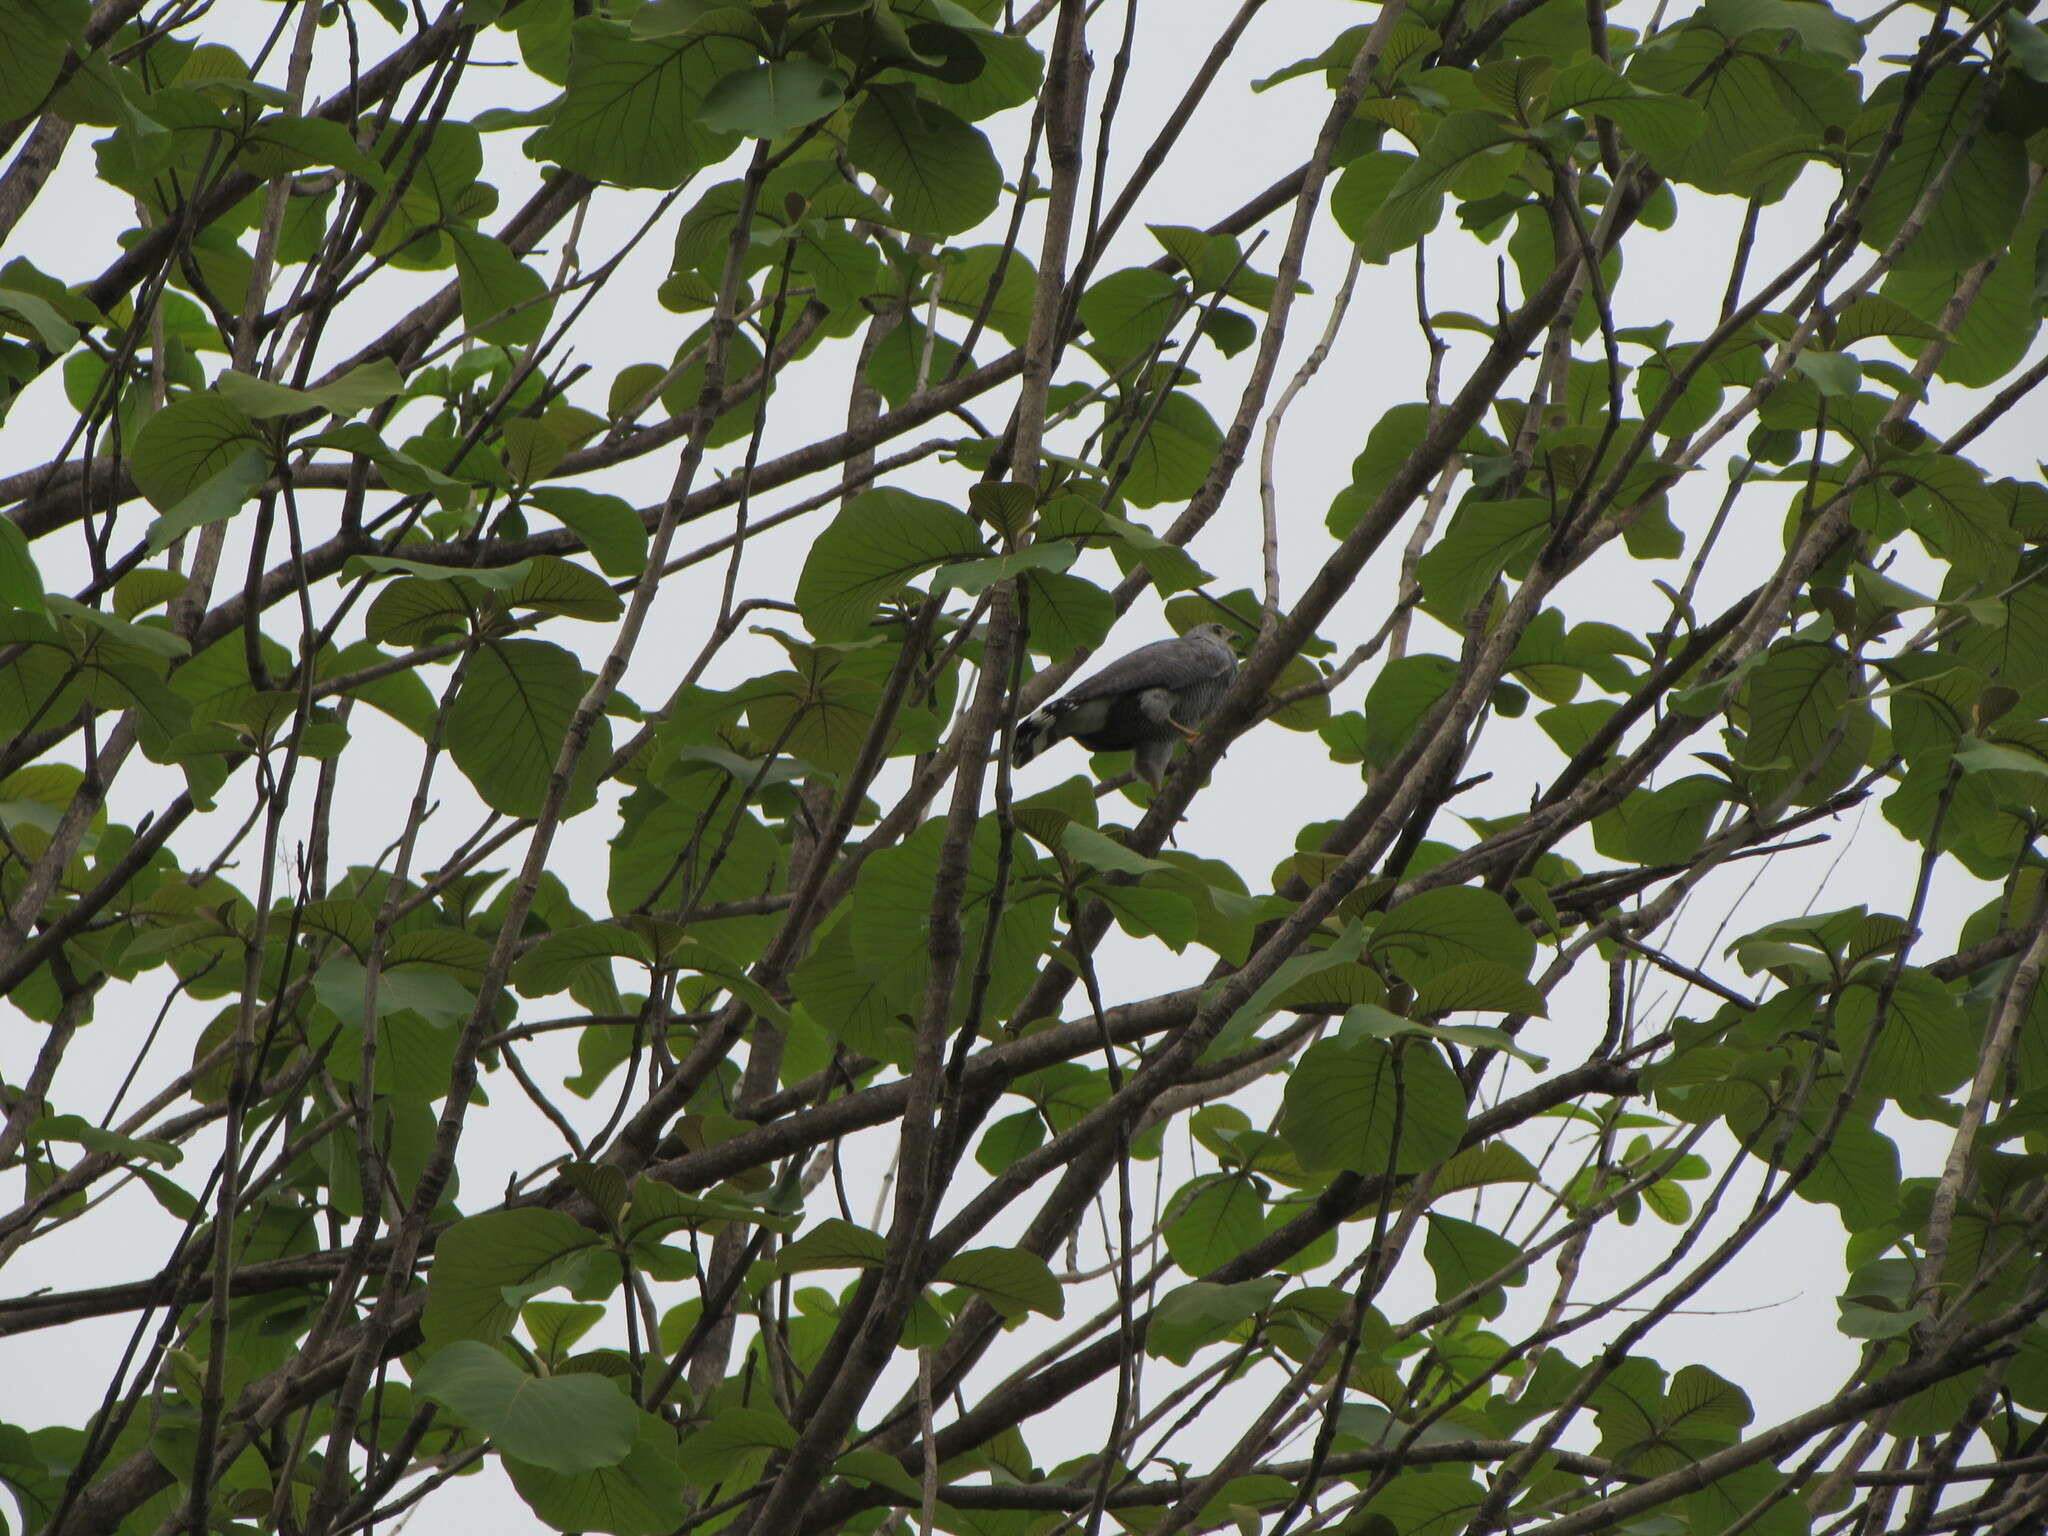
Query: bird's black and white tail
{"x": 1036, "y": 732}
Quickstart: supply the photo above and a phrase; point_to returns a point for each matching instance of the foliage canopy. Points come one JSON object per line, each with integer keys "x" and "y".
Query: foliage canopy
{"x": 1351, "y": 1183}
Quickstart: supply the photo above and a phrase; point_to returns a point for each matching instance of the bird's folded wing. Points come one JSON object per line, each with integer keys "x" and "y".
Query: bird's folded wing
{"x": 1174, "y": 664}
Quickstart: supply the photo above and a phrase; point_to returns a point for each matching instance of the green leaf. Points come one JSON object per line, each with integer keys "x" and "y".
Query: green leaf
{"x": 1200, "y": 1313}
{"x": 1998, "y": 327}
{"x": 1426, "y": 1500}
{"x": 1099, "y": 851}
{"x": 1876, "y": 315}
{"x": 971, "y": 274}
{"x": 2029, "y": 45}
{"x": 1406, "y": 689}
{"x": 560, "y": 958}
{"x": 1661, "y": 826}
{"x": 632, "y": 112}
{"x": 1461, "y": 1254}
{"x": 478, "y": 1260}
{"x": 1927, "y": 1044}
{"x": 1413, "y": 203}
{"x": 414, "y": 611}
{"x": 1172, "y": 459}
{"x": 507, "y": 724}
{"x": 1975, "y": 756}
{"x": 560, "y": 587}
{"x": 1225, "y": 1215}
{"x": 503, "y": 299}
{"x": 892, "y": 907}
{"x": 1479, "y": 986}
{"x": 1492, "y": 1162}
{"x": 1363, "y": 187}
{"x": 976, "y": 576}
{"x": 222, "y": 495}
{"x": 832, "y": 1244}
{"x": 1009, "y": 1139}
{"x": 1347, "y": 1100}
{"x": 839, "y": 265}
{"x": 21, "y": 584}
{"x": 879, "y": 1468}
{"x": 1978, "y": 206}
{"x": 708, "y": 1454}
{"x": 401, "y": 471}
{"x": 1279, "y": 988}
{"x": 658, "y": 1209}
{"x": 883, "y": 539}
{"x": 1818, "y": 27}
{"x": 941, "y": 174}
{"x": 368, "y": 384}
{"x": 1209, "y": 259}
{"x": 675, "y": 843}
{"x": 1332, "y": 989}
{"x": 1480, "y": 1037}
{"x": 1436, "y": 932}
{"x": 1144, "y": 912}
{"x": 1011, "y": 69}
{"x": 643, "y": 1495}
{"x": 1009, "y": 1279}
{"x": 1003, "y": 504}
{"x": 1387, "y": 449}
{"x": 1403, "y": 44}
{"x": 693, "y": 954}
{"x": 39, "y": 32}
{"x": 1128, "y": 312}
{"x": 608, "y": 526}
{"x": 1067, "y": 613}
{"x": 76, "y": 1128}
{"x": 1837, "y": 373}
{"x": 1960, "y": 518}
{"x": 1168, "y": 565}
{"x": 563, "y": 1423}
{"x": 188, "y": 444}
{"x": 555, "y": 1326}
{"x": 280, "y": 144}
{"x": 433, "y": 995}
{"x": 1375, "y": 1021}
{"x": 1794, "y": 701}
{"x": 860, "y": 1010}
{"x": 1767, "y": 109}
{"x": 771, "y": 99}
{"x": 52, "y": 330}
{"x": 1748, "y": 1500}
{"x": 1660, "y": 125}
{"x": 1485, "y": 538}
{"x": 492, "y": 578}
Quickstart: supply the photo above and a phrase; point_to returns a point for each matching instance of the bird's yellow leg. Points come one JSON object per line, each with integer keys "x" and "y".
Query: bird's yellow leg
{"x": 1186, "y": 730}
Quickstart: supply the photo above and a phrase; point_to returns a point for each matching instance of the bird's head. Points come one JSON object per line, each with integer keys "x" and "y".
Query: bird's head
{"x": 1222, "y": 634}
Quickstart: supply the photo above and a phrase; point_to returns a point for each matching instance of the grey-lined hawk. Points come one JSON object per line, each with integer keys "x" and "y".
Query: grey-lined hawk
{"x": 1141, "y": 703}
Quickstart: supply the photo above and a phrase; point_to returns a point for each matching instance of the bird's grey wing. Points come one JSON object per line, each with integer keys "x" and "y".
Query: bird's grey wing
{"x": 1174, "y": 664}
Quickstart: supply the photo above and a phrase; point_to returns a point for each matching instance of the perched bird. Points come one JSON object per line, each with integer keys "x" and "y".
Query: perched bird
{"x": 1141, "y": 703}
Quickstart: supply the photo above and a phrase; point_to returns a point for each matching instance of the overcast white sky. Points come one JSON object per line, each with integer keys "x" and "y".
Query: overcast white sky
{"x": 1268, "y": 785}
